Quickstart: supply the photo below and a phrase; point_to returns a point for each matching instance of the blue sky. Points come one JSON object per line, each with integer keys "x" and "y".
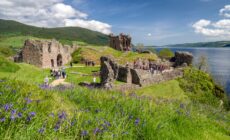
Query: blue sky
{"x": 168, "y": 21}
{"x": 152, "y": 22}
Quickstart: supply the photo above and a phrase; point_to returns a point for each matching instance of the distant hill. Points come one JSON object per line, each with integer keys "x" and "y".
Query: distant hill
{"x": 63, "y": 34}
{"x": 218, "y": 44}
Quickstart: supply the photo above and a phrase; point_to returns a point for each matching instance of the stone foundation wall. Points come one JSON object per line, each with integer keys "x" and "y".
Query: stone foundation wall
{"x": 111, "y": 71}
{"x": 46, "y": 54}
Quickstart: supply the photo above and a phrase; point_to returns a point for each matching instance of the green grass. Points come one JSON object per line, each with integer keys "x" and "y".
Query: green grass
{"x": 14, "y": 42}
{"x": 26, "y": 73}
{"x": 167, "y": 90}
{"x": 113, "y": 114}
{"x": 8, "y": 66}
{"x": 77, "y": 78}
{"x": 95, "y": 52}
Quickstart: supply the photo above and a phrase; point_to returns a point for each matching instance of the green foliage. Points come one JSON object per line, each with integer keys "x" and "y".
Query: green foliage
{"x": 165, "y": 53}
{"x": 6, "y": 51}
{"x": 8, "y": 66}
{"x": 201, "y": 87}
{"x": 26, "y": 73}
{"x": 64, "y": 34}
{"x": 97, "y": 114}
{"x": 76, "y": 56}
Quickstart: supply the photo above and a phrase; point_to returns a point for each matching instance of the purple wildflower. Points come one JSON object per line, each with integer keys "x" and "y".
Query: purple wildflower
{"x": 137, "y": 121}
{"x": 13, "y": 91}
{"x": 13, "y": 112}
{"x": 19, "y": 114}
{"x": 57, "y": 126}
{"x": 41, "y": 130}
{"x": 28, "y": 119}
{"x": 62, "y": 115}
{"x": 1, "y": 93}
{"x": 2, "y": 119}
{"x": 84, "y": 133}
{"x": 12, "y": 117}
{"x": 32, "y": 114}
{"x": 96, "y": 131}
{"x": 8, "y": 106}
{"x": 28, "y": 101}
{"x": 182, "y": 106}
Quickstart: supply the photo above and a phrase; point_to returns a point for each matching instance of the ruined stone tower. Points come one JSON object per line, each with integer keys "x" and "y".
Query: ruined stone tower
{"x": 121, "y": 42}
{"x": 46, "y": 54}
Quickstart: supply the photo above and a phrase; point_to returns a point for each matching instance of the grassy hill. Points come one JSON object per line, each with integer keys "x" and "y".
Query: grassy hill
{"x": 9, "y": 28}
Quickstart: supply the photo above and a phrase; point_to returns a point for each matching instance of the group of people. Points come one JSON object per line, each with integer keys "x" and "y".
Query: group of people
{"x": 57, "y": 74}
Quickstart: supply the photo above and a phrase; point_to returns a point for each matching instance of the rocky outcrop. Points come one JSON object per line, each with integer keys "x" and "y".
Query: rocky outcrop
{"x": 182, "y": 59}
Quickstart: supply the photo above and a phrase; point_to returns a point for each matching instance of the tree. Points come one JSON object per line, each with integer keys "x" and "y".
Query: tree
{"x": 166, "y": 53}
{"x": 140, "y": 47}
{"x": 202, "y": 63}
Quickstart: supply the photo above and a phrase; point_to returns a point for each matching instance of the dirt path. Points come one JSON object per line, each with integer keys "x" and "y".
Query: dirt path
{"x": 59, "y": 82}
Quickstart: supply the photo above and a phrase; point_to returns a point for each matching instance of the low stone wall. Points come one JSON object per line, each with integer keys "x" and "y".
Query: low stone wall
{"x": 111, "y": 71}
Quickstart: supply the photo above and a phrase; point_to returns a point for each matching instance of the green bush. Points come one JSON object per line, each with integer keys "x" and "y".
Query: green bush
{"x": 201, "y": 87}
{"x": 76, "y": 55}
{"x": 166, "y": 53}
{"x": 8, "y": 66}
{"x": 6, "y": 51}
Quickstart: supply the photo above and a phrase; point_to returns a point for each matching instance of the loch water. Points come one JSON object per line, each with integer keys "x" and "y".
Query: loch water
{"x": 218, "y": 62}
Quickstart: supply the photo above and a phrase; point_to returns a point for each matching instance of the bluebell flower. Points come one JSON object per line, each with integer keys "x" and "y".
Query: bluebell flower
{"x": 32, "y": 114}
{"x": 19, "y": 114}
{"x": 13, "y": 112}
{"x": 12, "y": 117}
{"x": 96, "y": 131}
{"x": 57, "y": 126}
{"x": 28, "y": 119}
{"x": 84, "y": 133}
{"x": 62, "y": 115}
{"x": 28, "y": 101}
{"x": 1, "y": 93}
{"x": 13, "y": 91}
{"x": 182, "y": 106}
{"x": 137, "y": 121}
{"x": 8, "y": 106}
{"x": 2, "y": 119}
{"x": 41, "y": 130}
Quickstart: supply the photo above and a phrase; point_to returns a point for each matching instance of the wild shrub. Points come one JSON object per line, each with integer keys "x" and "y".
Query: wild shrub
{"x": 8, "y": 66}
{"x": 165, "y": 53}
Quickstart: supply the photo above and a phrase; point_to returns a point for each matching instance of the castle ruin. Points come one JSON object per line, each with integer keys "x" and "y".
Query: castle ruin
{"x": 121, "y": 42}
{"x": 45, "y": 53}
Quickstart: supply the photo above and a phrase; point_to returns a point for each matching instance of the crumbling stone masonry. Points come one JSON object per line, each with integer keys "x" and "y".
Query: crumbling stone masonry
{"x": 111, "y": 71}
{"x": 121, "y": 42}
{"x": 45, "y": 54}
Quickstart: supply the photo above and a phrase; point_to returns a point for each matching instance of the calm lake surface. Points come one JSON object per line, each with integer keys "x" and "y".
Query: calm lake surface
{"x": 218, "y": 62}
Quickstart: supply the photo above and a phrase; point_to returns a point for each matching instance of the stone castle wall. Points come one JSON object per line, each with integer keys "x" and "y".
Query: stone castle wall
{"x": 46, "y": 54}
{"x": 121, "y": 42}
{"x": 111, "y": 71}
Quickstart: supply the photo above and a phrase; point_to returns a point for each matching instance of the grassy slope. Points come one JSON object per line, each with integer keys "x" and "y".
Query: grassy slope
{"x": 115, "y": 115}
{"x": 27, "y": 73}
{"x": 94, "y": 53}
{"x": 167, "y": 90}
{"x": 64, "y": 34}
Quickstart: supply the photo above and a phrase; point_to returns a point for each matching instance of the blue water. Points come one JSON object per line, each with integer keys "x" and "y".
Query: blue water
{"x": 218, "y": 62}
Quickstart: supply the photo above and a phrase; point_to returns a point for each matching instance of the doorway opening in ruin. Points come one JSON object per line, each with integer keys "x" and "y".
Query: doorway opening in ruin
{"x": 59, "y": 60}
{"x": 52, "y": 63}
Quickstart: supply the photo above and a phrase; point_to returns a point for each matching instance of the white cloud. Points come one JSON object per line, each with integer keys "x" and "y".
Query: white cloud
{"x": 219, "y": 29}
{"x": 48, "y": 13}
{"x": 149, "y": 34}
{"x": 89, "y": 24}
{"x": 225, "y": 11}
